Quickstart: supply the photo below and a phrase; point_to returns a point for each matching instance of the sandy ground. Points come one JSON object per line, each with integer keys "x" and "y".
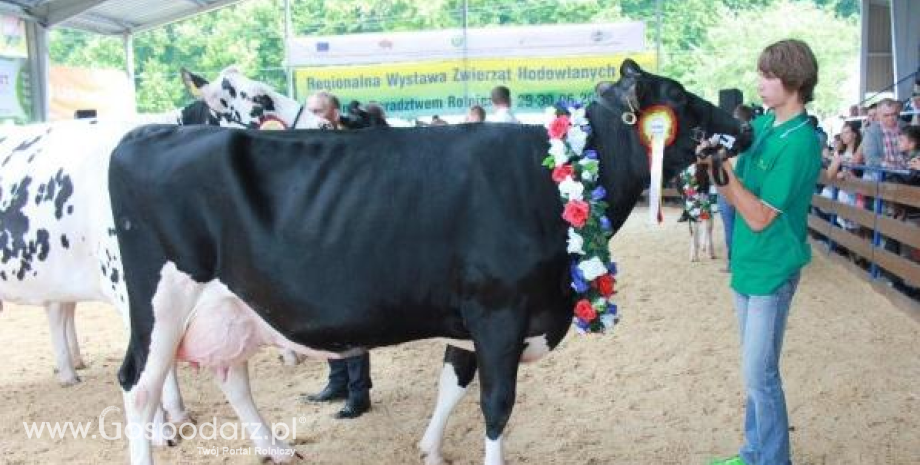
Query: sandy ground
{"x": 664, "y": 388}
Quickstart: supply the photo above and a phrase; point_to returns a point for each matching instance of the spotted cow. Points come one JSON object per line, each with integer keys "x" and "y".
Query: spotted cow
{"x": 55, "y": 226}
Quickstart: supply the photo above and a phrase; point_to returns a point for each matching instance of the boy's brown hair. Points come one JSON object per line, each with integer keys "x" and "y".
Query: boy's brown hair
{"x": 793, "y": 62}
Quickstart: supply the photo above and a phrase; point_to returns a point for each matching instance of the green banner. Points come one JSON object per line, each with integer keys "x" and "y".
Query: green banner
{"x": 448, "y": 87}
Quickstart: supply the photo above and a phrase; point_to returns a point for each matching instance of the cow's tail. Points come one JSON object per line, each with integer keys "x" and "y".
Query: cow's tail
{"x": 133, "y": 364}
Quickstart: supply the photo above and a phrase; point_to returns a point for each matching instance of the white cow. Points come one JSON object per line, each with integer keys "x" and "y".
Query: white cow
{"x": 57, "y": 243}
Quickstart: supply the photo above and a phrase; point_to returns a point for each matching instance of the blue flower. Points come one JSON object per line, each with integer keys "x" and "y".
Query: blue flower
{"x": 582, "y": 324}
{"x": 605, "y": 224}
{"x": 612, "y": 268}
{"x": 578, "y": 280}
{"x": 612, "y": 308}
{"x": 587, "y": 129}
{"x": 590, "y": 154}
{"x": 599, "y": 193}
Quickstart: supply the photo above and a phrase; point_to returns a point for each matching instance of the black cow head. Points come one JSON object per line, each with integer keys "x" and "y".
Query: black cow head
{"x": 198, "y": 112}
{"x": 356, "y": 116}
{"x": 624, "y": 162}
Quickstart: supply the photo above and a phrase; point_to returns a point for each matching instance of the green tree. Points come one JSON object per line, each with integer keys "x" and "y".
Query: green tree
{"x": 728, "y": 57}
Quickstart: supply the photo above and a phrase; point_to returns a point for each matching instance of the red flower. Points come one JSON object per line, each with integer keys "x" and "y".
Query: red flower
{"x": 704, "y": 216}
{"x": 605, "y": 284}
{"x": 585, "y": 311}
{"x": 560, "y": 173}
{"x": 576, "y": 213}
{"x": 559, "y": 127}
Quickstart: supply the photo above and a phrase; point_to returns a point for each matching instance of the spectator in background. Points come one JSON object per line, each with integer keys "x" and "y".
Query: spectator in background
{"x": 822, "y": 135}
{"x": 854, "y": 111}
{"x": 437, "y": 121}
{"x": 377, "y": 112}
{"x": 501, "y": 104}
{"x": 326, "y": 106}
{"x": 844, "y": 151}
{"x": 914, "y": 105}
{"x": 349, "y": 378}
{"x": 909, "y": 144}
{"x": 476, "y": 114}
{"x": 880, "y": 141}
{"x": 871, "y": 116}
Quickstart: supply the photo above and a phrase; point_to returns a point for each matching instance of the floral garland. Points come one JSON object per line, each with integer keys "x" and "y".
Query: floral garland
{"x": 575, "y": 171}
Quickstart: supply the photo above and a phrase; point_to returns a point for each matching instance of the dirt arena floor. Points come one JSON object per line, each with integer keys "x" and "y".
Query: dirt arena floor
{"x": 664, "y": 388}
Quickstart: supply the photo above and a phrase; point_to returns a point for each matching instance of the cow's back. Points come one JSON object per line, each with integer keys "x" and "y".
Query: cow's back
{"x": 386, "y": 223}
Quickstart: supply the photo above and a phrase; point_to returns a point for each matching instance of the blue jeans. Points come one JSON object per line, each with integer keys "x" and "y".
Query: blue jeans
{"x": 727, "y": 211}
{"x": 762, "y": 321}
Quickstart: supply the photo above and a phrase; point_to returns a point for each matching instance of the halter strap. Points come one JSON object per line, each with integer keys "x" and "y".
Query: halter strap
{"x": 297, "y": 118}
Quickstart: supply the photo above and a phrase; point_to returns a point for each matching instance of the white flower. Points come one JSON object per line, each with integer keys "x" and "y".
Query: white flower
{"x": 695, "y": 213}
{"x": 576, "y": 242}
{"x": 578, "y": 116}
{"x": 577, "y": 139}
{"x": 592, "y": 268}
{"x": 608, "y": 320}
{"x": 586, "y": 174}
{"x": 571, "y": 189}
{"x": 549, "y": 115}
{"x": 557, "y": 150}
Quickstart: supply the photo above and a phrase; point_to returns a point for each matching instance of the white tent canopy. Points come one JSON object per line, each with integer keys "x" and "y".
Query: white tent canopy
{"x": 108, "y": 17}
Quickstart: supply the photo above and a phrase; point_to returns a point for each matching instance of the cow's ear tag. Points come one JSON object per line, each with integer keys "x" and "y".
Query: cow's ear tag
{"x": 271, "y": 123}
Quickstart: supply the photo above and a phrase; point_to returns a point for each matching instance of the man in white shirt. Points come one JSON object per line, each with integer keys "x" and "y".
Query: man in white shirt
{"x": 501, "y": 104}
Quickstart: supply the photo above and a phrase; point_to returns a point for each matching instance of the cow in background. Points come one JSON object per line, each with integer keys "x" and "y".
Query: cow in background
{"x": 53, "y": 208}
{"x": 700, "y": 205}
{"x": 338, "y": 242}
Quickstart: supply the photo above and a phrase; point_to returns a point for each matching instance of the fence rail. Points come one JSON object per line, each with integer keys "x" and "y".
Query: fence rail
{"x": 877, "y": 227}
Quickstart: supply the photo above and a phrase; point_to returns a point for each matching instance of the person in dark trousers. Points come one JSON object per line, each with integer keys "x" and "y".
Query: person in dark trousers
{"x": 349, "y": 378}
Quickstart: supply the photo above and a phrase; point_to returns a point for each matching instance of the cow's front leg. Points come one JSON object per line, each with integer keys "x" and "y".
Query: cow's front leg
{"x": 57, "y": 326}
{"x": 499, "y": 340}
{"x": 709, "y": 245}
{"x": 72, "y": 343}
{"x": 236, "y": 389}
{"x": 694, "y": 240}
{"x": 456, "y": 376}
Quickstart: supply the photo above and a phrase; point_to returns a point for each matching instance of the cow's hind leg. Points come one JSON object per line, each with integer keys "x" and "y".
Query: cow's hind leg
{"x": 499, "y": 341}
{"x": 57, "y": 326}
{"x": 236, "y": 389}
{"x": 172, "y": 398}
{"x": 144, "y": 372}
{"x": 456, "y": 376}
{"x": 72, "y": 343}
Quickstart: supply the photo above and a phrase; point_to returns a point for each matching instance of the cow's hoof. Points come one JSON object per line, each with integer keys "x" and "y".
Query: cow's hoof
{"x": 70, "y": 381}
{"x": 434, "y": 459}
{"x": 182, "y": 419}
{"x": 289, "y": 358}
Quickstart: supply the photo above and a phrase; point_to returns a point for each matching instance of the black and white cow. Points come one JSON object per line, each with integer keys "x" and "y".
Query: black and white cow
{"x": 336, "y": 242}
{"x": 62, "y": 327}
{"x": 54, "y": 206}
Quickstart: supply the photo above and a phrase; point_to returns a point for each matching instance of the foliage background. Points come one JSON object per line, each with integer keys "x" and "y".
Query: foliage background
{"x": 706, "y": 44}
